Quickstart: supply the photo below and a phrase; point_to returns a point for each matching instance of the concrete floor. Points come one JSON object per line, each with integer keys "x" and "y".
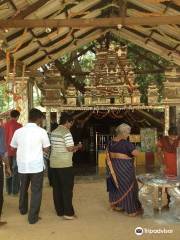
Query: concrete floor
{"x": 96, "y": 221}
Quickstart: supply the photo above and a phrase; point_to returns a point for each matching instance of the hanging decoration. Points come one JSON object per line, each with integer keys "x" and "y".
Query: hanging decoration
{"x": 11, "y": 80}
{"x": 8, "y": 55}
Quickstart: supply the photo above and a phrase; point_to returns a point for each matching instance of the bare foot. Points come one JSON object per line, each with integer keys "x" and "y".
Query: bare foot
{"x": 139, "y": 212}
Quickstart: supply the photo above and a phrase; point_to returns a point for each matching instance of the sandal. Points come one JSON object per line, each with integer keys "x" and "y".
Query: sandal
{"x": 118, "y": 209}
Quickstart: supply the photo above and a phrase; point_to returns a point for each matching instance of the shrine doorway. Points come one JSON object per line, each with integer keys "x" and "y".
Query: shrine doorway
{"x": 95, "y": 131}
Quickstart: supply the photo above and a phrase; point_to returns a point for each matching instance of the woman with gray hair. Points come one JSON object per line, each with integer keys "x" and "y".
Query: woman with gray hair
{"x": 121, "y": 182}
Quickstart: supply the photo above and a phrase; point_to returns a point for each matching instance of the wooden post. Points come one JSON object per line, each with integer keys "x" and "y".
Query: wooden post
{"x": 178, "y": 118}
{"x": 166, "y": 118}
{"x": 172, "y": 116}
{"x": 58, "y": 115}
{"x": 30, "y": 84}
{"x": 22, "y": 103}
{"x": 48, "y": 119}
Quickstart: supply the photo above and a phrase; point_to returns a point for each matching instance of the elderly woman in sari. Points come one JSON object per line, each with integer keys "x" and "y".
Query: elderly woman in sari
{"x": 122, "y": 183}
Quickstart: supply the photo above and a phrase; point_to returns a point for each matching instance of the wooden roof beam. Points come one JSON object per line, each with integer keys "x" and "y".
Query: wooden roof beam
{"x": 13, "y": 4}
{"x": 162, "y": 40}
{"x": 72, "y": 47}
{"x": 30, "y": 9}
{"x": 151, "y": 46}
{"x": 3, "y": 2}
{"x": 172, "y": 30}
{"x": 152, "y": 7}
{"x": 54, "y": 35}
{"x": 93, "y": 22}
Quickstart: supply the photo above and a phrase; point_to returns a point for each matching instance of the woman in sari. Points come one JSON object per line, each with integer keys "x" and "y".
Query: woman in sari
{"x": 122, "y": 183}
{"x": 167, "y": 147}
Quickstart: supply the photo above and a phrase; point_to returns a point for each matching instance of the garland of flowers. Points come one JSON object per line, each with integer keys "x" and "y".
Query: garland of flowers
{"x": 8, "y": 56}
{"x": 112, "y": 114}
{"x": 13, "y": 91}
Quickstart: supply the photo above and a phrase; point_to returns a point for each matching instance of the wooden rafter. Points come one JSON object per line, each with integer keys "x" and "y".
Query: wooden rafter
{"x": 27, "y": 51}
{"x": 3, "y": 2}
{"x": 94, "y": 22}
{"x": 141, "y": 56}
{"x": 153, "y": 35}
{"x": 54, "y": 37}
{"x": 60, "y": 45}
{"x": 70, "y": 48}
{"x": 13, "y": 4}
{"x": 152, "y": 40}
{"x": 169, "y": 29}
{"x": 30, "y": 9}
{"x": 151, "y": 46}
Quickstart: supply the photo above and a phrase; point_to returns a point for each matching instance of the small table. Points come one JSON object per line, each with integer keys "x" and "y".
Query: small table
{"x": 149, "y": 183}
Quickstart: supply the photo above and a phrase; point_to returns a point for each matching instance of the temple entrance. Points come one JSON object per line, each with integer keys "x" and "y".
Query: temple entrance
{"x": 94, "y": 129}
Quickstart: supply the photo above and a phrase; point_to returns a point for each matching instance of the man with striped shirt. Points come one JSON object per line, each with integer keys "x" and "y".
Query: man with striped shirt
{"x": 62, "y": 148}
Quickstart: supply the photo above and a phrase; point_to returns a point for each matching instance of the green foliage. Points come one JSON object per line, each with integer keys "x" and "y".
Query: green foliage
{"x": 149, "y": 63}
{"x": 87, "y": 61}
{"x": 5, "y": 100}
{"x": 65, "y": 58}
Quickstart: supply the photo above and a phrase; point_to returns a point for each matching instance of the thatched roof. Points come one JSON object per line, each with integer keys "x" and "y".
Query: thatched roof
{"x": 35, "y": 47}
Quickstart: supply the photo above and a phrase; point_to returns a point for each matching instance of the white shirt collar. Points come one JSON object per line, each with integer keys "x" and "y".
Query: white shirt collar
{"x": 31, "y": 124}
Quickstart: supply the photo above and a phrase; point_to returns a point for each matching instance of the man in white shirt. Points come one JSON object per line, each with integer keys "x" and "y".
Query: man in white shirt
{"x": 30, "y": 142}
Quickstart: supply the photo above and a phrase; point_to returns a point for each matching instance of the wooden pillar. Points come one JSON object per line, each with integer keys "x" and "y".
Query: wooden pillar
{"x": 58, "y": 115}
{"x": 30, "y": 85}
{"x": 48, "y": 119}
{"x": 166, "y": 118}
{"x": 172, "y": 115}
{"x": 22, "y": 103}
{"x": 178, "y": 118}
